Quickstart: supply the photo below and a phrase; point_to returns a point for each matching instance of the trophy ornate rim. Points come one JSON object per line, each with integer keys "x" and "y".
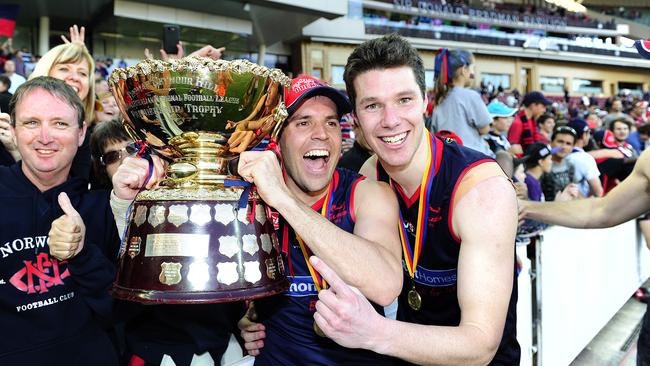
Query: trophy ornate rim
{"x": 193, "y": 63}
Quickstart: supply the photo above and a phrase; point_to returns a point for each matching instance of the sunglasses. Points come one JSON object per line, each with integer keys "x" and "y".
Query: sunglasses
{"x": 117, "y": 155}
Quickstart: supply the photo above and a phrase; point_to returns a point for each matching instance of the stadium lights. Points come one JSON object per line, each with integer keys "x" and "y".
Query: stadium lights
{"x": 570, "y": 5}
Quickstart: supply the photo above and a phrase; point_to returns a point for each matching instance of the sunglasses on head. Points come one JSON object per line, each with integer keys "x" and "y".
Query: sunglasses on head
{"x": 113, "y": 156}
{"x": 566, "y": 129}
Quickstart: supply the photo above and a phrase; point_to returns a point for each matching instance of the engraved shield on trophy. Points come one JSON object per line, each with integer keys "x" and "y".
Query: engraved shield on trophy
{"x": 203, "y": 235}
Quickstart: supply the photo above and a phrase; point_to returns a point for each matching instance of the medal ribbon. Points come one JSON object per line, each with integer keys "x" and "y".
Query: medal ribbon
{"x": 412, "y": 255}
{"x": 325, "y": 212}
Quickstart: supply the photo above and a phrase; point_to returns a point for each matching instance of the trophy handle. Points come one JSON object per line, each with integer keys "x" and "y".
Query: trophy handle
{"x": 130, "y": 131}
{"x": 279, "y": 114}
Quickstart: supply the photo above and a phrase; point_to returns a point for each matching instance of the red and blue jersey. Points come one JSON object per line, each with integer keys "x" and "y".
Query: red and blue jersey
{"x": 436, "y": 275}
{"x": 289, "y": 318}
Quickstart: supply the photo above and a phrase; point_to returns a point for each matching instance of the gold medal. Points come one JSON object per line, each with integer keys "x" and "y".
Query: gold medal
{"x": 318, "y": 331}
{"x": 414, "y": 299}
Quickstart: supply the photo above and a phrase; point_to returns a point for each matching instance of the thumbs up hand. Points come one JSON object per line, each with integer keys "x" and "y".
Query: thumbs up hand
{"x": 66, "y": 237}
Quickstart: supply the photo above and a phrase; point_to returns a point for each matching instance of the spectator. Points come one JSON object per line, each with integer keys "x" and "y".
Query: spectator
{"x": 615, "y": 113}
{"x": 354, "y": 158}
{"x": 106, "y": 108}
{"x": 585, "y": 170}
{"x": 545, "y": 126}
{"x": 501, "y": 120}
{"x": 537, "y": 162}
{"x": 16, "y": 79}
{"x": 347, "y": 132}
{"x": 523, "y": 131}
{"x": 101, "y": 86}
{"x": 109, "y": 146}
{"x": 594, "y": 121}
{"x": 561, "y": 174}
{"x": 639, "y": 113}
{"x": 458, "y": 108}
{"x": 644, "y": 136}
{"x": 5, "y": 95}
{"x": 621, "y": 130}
{"x": 57, "y": 314}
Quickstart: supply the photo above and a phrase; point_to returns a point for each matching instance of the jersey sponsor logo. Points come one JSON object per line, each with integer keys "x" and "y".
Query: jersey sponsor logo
{"x": 40, "y": 276}
{"x": 301, "y": 286}
{"x": 338, "y": 212}
{"x": 435, "y": 216}
{"x": 434, "y": 278}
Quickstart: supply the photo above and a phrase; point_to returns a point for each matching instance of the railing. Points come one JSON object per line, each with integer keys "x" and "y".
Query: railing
{"x": 493, "y": 37}
{"x": 571, "y": 284}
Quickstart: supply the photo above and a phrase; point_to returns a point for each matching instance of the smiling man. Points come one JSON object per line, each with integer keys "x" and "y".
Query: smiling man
{"x": 458, "y": 221}
{"x": 56, "y": 238}
{"x": 341, "y": 217}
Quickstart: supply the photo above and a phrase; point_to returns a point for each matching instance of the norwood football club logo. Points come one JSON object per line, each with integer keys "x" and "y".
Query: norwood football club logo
{"x": 40, "y": 276}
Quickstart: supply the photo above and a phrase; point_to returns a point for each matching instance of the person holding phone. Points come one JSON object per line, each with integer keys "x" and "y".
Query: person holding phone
{"x": 173, "y": 47}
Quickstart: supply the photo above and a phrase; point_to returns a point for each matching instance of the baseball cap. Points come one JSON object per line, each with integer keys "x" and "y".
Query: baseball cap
{"x": 579, "y": 125}
{"x": 643, "y": 47}
{"x": 498, "y": 109}
{"x": 538, "y": 151}
{"x": 304, "y": 87}
{"x": 535, "y": 97}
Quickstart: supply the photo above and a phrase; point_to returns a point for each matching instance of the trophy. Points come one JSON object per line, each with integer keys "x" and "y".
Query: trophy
{"x": 203, "y": 235}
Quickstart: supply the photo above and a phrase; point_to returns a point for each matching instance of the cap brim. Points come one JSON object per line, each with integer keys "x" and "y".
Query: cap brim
{"x": 342, "y": 102}
{"x": 494, "y": 115}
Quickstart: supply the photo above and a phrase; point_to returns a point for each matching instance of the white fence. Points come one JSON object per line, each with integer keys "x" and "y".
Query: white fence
{"x": 580, "y": 279}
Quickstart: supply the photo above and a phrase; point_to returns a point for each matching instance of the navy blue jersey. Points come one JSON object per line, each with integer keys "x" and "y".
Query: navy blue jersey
{"x": 436, "y": 274}
{"x": 289, "y": 318}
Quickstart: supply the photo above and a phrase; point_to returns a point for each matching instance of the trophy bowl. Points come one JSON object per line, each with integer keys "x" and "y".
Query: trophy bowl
{"x": 203, "y": 235}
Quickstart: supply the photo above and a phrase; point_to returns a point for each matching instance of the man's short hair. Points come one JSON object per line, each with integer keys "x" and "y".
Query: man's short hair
{"x": 4, "y": 79}
{"x": 381, "y": 53}
{"x": 622, "y": 120}
{"x": 55, "y": 87}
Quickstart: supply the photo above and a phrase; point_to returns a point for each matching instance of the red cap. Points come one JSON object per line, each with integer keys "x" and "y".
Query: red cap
{"x": 304, "y": 87}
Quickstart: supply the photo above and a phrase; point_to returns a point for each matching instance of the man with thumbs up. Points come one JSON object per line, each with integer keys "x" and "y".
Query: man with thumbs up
{"x": 58, "y": 241}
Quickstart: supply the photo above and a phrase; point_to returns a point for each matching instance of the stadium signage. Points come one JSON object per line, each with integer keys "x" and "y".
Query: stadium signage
{"x": 433, "y": 9}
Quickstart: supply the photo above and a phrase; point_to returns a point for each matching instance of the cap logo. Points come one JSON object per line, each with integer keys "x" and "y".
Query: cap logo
{"x": 301, "y": 85}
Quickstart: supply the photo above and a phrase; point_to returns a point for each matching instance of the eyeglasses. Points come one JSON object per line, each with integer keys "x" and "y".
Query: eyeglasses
{"x": 114, "y": 156}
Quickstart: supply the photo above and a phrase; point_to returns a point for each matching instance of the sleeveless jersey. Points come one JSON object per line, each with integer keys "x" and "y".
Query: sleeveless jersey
{"x": 436, "y": 274}
{"x": 289, "y": 318}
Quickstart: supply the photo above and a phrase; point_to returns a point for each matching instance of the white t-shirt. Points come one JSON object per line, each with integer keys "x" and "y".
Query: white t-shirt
{"x": 584, "y": 169}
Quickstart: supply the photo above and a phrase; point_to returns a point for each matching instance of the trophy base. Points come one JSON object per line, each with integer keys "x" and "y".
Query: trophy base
{"x": 170, "y": 297}
{"x": 197, "y": 246}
